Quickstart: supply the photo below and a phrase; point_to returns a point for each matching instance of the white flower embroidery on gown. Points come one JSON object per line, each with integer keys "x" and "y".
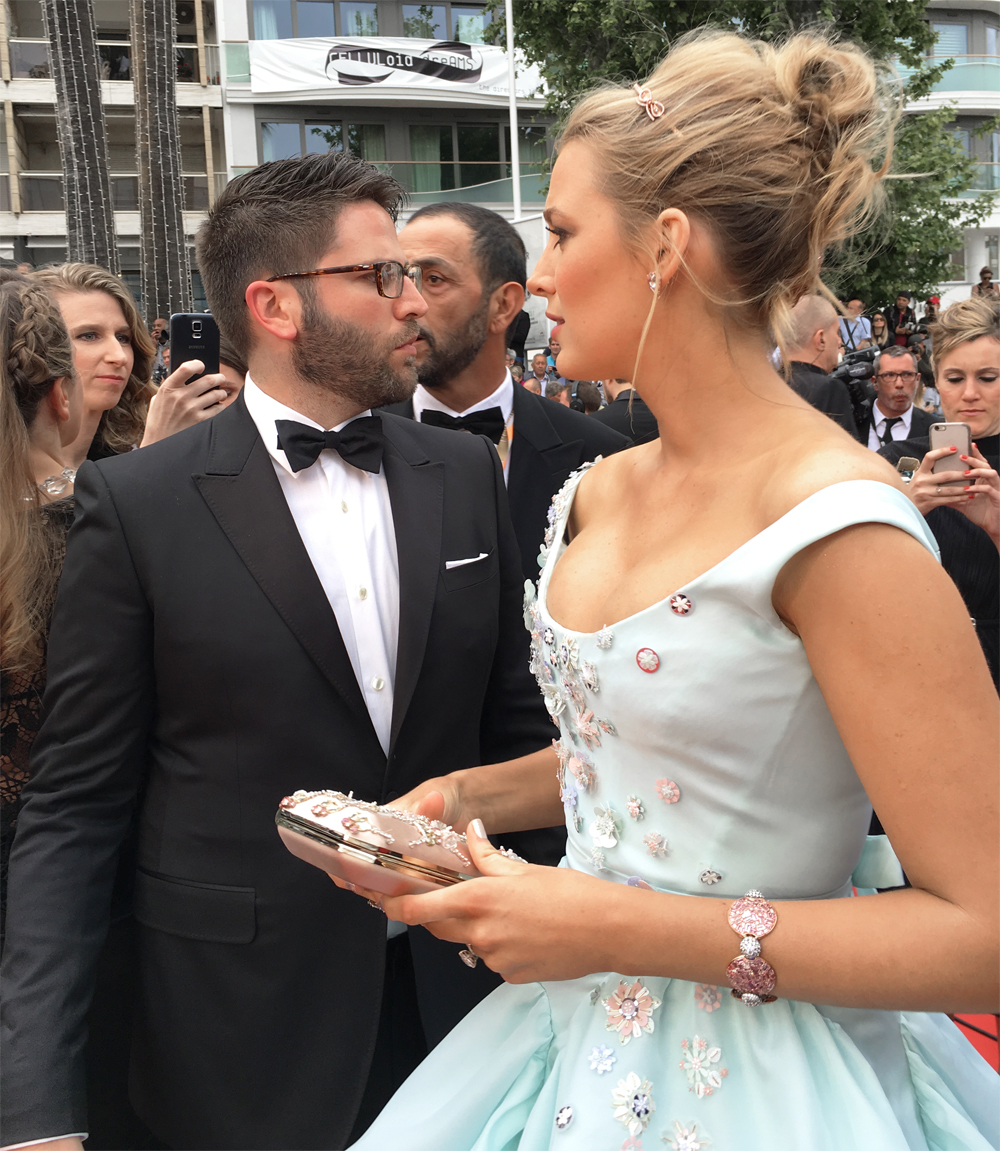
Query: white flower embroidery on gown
{"x": 697, "y": 756}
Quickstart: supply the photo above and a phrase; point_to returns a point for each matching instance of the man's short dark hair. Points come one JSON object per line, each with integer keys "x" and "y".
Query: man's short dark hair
{"x": 498, "y": 248}
{"x": 893, "y": 352}
{"x": 280, "y": 217}
{"x": 589, "y": 395}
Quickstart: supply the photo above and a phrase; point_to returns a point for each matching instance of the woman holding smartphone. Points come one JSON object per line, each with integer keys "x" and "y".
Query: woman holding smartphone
{"x": 113, "y": 354}
{"x": 720, "y": 637}
{"x": 962, "y": 506}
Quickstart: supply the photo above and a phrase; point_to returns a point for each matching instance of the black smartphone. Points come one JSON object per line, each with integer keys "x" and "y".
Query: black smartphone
{"x": 194, "y": 336}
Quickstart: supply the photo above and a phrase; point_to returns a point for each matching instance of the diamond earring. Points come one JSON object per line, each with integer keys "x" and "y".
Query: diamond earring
{"x": 651, "y": 280}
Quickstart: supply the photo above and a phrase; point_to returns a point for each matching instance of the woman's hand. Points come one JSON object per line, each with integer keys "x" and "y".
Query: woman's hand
{"x": 525, "y": 922}
{"x": 929, "y": 490}
{"x": 439, "y": 798}
{"x": 178, "y": 405}
{"x": 983, "y": 504}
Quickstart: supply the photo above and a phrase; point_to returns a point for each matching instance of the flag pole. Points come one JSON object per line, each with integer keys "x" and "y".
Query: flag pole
{"x": 514, "y": 157}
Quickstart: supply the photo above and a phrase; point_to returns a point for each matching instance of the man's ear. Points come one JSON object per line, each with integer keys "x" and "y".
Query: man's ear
{"x": 505, "y": 304}
{"x": 277, "y": 308}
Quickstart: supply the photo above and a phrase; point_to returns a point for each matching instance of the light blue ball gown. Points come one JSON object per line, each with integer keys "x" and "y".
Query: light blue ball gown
{"x": 699, "y": 757}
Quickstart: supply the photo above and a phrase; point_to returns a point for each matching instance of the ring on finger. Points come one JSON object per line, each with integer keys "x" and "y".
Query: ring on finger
{"x": 375, "y": 903}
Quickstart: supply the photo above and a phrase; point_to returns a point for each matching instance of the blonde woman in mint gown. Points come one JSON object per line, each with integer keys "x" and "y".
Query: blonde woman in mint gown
{"x": 745, "y": 639}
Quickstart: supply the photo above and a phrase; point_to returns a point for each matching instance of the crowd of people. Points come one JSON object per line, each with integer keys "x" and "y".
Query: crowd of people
{"x": 302, "y": 573}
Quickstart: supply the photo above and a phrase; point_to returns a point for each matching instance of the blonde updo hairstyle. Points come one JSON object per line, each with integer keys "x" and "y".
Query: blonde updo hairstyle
{"x": 121, "y": 427}
{"x": 777, "y": 149}
{"x": 967, "y": 320}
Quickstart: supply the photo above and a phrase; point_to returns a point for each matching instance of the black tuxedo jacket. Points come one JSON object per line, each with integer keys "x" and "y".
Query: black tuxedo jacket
{"x": 196, "y": 676}
{"x": 550, "y": 441}
{"x": 629, "y": 415}
{"x": 920, "y": 422}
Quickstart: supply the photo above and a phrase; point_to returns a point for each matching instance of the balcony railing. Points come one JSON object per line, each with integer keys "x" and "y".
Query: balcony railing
{"x": 43, "y": 192}
{"x": 29, "y": 60}
{"x": 967, "y": 74}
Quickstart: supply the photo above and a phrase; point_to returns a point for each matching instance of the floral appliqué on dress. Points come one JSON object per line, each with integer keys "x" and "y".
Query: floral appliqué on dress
{"x": 686, "y": 1139}
{"x": 667, "y": 790}
{"x": 630, "y": 1010}
{"x": 707, "y": 996}
{"x": 633, "y": 805}
{"x": 700, "y": 1065}
{"x": 656, "y": 845}
{"x": 601, "y": 1060}
{"x": 604, "y": 829}
{"x": 633, "y": 1104}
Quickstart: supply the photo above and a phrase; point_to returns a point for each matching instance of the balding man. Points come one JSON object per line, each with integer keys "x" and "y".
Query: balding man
{"x": 812, "y": 352}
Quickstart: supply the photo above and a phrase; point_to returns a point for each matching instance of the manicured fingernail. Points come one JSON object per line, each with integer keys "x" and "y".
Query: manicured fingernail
{"x": 954, "y": 449}
{"x": 477, "y": 828}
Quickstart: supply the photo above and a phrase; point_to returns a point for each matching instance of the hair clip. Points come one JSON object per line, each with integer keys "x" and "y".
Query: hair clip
{"x": 654, "y": 109}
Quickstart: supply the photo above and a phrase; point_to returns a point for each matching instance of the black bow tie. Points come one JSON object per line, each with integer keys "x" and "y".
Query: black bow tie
{"x": 486, "y": 423}
{"x": 360, "y": 443}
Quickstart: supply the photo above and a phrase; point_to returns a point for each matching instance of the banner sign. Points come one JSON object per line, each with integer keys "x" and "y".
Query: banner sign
{"x": 327, "y": 63}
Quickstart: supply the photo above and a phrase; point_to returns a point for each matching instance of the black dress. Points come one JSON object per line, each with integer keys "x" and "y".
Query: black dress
{"x": 968, "y": 554}
{"x": 21, "y": 710}
{"x": 112, "y": 1123}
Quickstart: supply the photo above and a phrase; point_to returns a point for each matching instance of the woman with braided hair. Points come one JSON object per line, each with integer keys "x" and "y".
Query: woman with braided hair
{"x": 41, "y": 406}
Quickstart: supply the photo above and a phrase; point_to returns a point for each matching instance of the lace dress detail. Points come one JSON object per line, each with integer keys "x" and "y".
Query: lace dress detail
{"x": 21, "y": 709}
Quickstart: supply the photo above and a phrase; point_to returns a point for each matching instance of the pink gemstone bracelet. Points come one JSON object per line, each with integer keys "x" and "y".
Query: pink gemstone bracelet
{"x": 752, "y": 978}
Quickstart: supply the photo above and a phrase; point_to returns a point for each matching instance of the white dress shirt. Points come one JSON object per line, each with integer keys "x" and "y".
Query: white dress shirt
{"x": 344, "y": 517}
{"x": 876, "y": 428}
{"x": 503, "y": 398}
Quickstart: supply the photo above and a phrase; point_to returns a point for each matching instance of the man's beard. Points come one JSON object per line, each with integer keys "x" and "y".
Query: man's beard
{"x": 446, "y": 359}
{"x": 348, "y": 360}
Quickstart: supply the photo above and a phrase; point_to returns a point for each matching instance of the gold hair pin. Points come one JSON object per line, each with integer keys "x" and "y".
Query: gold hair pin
{"x": 654, "y": 109}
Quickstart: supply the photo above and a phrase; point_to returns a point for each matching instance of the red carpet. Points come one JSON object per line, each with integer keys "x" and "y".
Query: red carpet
{"x": 986, "y": 1046}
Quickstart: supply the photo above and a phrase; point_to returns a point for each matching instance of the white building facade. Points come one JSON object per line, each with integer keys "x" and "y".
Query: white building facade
{"x": 411, "y": 87}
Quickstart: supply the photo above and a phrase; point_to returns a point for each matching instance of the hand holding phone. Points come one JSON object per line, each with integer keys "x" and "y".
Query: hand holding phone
{"x": 195, "y": 336}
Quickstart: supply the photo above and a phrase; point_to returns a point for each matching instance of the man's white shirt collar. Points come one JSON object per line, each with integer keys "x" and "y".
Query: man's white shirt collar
{"x": 503, "y": 398}
{"x": 265, "y": 409}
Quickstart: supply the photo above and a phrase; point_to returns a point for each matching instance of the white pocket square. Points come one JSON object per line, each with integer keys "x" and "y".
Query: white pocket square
{"x": 449, "y": 564}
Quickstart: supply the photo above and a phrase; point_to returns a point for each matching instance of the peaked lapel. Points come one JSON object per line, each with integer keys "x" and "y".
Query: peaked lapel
{"x": 243, "y": 493}
{"x": 416, "y": 492}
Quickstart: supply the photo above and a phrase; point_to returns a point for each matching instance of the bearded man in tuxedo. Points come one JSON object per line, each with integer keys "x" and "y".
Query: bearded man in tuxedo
{"x": 295, "y": 594}
{"x": 474, "y": 273}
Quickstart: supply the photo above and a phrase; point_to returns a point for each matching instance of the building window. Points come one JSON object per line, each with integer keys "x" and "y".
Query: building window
{"x": 425, "y": 21}
{"x": 358, "y": 19}
{"x": 272, "y": 20}
{"x": 991, "y": 40}
{"x": 956, "y": 267}
{"x": 431, "y": 152}
{"x": 366, "y": 141}
{"x": 280, "y": 141}
{"x": 531, "y": 149}
{"x": 952, "y": 40}
{"x": 285, "y": 139}
{"x": 993, "y": 254}
{"x": 479, "y": 153}
{"x": 324, "y": 138}
{"x": 468, "y": 24}
{"x": 315, "y": 18}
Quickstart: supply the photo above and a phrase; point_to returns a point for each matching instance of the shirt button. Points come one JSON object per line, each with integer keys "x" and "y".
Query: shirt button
{"x": 343, "y": 505}
{"x": 378, "y": 682}
{"x": 362, "y": 593}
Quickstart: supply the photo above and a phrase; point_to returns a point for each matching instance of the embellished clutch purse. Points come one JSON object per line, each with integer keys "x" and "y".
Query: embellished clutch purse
{"x": 380, "y": 848}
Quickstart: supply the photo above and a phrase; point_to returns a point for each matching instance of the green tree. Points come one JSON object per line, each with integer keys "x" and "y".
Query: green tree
{"x": 579, "y": 43}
